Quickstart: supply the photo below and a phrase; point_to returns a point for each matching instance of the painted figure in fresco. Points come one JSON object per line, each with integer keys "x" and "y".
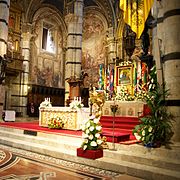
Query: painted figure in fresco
{"x": 48, "y": 75}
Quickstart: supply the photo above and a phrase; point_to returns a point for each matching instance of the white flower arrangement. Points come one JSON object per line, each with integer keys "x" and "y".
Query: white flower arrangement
{"x": 46, "y": 103}
{"x": 92, "y": 134}
{"x": 76, "y": 104}
{"x": 124, "y": 95}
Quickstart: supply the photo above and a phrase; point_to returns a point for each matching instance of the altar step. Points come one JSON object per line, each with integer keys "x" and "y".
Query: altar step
{"x": 121, "y": 124}
{"x": 134, "y": 160}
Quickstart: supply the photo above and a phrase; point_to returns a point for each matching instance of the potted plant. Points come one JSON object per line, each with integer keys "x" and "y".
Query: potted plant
{"x": 155, "y": 128}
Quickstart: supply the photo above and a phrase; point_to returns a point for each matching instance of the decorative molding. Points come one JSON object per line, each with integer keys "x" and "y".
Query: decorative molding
{"x": 172, "y": 102}
{"x": 4, "y": 21}
{"x": 170, "y": 13}
{"x": 74, "y": 34}
{"x": 167, "y": 14}
{"x": 2, "y": 40}
{"x": 75, "y": 48}
{"x": 72, "y": 62}
{"x": 4, "y": 2}
{"x": 171, "y": 56}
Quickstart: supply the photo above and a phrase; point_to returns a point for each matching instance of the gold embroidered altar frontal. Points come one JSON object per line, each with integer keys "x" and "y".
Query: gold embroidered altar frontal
{"x": 72, "y": 118}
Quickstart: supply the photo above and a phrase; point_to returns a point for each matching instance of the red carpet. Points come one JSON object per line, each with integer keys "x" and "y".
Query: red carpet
{"x": 34, "y": 126}
{"x": 121, "y": 130}
{"x": 121, "y": 124}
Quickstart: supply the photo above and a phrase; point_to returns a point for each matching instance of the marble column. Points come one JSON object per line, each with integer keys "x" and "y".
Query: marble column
{"x": 4, "y": 16}
{"x": 171, "y": 59}
{"x": 26, "y": 36}
{"x": 167, "y": 43}
{"x": 74, "y": 45}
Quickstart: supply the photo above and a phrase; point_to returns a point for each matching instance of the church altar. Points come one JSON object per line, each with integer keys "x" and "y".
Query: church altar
{"x": 72, "y": 118}
{"x": 125, "y": 108}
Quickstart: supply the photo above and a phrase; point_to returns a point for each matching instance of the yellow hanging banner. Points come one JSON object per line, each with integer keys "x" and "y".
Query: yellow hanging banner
{"x": 136, "y": 13}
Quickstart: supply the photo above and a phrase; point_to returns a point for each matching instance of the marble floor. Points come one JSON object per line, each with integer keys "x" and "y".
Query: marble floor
{"x": 18, "y": 164}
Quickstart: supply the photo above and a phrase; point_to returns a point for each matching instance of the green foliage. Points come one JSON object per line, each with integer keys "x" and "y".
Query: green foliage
{"x": 156, "y": 126}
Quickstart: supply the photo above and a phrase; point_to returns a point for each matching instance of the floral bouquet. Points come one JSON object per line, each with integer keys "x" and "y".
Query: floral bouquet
{"x": 46, "y": 103}
{"x": 124, "y": 95}
{"x": 92, "y": 134}
{"x": 75, "y": 105}
{"x": 55, "y": 123}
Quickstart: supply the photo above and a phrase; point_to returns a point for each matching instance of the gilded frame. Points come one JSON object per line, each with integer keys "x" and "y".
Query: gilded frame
{"x": 124, "y": 75}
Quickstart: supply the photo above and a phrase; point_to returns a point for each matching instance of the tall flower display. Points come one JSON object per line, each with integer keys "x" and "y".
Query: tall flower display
{"x": 92, "y": 134}
{"x": 91, "y": 128}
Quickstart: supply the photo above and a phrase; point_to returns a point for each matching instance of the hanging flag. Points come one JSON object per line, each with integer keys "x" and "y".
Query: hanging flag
{"x": 136, "y": 13}
{"x": 101, "y": 77}
{"x": 135, "y": 77}
{"x": 107, "y": 79}
{"x": 144, "y": 73}
{"x": 111, "y": 81}
{"x": 139, "y": 76}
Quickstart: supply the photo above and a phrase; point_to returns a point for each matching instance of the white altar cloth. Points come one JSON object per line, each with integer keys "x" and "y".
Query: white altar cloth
{"x": 73, "y": 119}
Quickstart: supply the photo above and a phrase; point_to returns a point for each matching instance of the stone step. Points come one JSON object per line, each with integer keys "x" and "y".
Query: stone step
{"x": 127, "y": 158}
{"x": 36, "y": 147}
{"x": 144, "y": 159}
{"x": 51, "y": 136}
{"x": 130, "y": 168}
{"x": 161, "y": 152}
{"x": 140, "y": 170}
{"x": 62, "y": 142}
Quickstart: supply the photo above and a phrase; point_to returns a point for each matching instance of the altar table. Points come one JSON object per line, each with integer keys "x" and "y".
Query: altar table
{"x": 125, "y": 108}
{"x": 72, "y": 118}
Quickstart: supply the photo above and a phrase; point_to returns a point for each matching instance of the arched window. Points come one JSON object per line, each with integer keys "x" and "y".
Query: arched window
{"x": 48, "y": 42}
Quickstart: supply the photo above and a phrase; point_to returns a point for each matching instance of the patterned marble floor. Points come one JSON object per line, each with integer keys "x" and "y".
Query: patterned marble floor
{"x": 18, "y": 164}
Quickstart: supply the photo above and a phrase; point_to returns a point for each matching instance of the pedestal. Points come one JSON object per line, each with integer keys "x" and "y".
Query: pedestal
{"x": 90, "y": 154}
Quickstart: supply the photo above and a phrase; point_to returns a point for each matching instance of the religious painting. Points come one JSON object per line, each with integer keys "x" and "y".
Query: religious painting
{"x": 93, "y": 46}
{"x": 124, "y": 75}
{"x": 124, "y": 79}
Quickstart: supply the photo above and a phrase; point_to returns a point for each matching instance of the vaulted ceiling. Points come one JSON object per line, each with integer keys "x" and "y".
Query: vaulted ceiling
{"x": 106, "y": 7}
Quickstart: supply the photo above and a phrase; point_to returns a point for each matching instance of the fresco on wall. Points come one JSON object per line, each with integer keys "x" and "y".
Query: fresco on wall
{"x": 93, "y": 49}
{"x": 46, "y": 68}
